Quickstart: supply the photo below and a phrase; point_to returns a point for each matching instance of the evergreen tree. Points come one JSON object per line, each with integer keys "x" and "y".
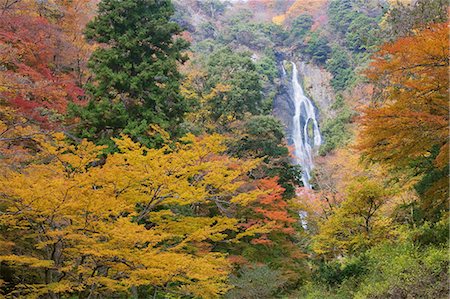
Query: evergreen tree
{"x": 239, "y": 73}
{"x": 318, "y": 48}
{"x": 136, "y": 82}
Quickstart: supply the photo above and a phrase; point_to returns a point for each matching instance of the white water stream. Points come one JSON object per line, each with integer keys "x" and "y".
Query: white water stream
{"x": 305, "y": 132}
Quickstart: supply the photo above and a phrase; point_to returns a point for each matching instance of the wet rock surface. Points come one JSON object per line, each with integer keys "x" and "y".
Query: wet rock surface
{"x": 316, "y": 83}
{"x": 312, "y": 83}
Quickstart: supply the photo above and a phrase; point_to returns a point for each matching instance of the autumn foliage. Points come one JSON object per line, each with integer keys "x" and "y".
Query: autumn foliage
{"x": 298, "y": 7}
{"x": 270, "y": 210}
{"x": 34, "y": 81}
{"x": 411, "y": 115}
{"x": 408, "y": 122}
{"x": 43, "y": 57}
{"x": 142, "y": 176}
{"x": 104, "y": 229}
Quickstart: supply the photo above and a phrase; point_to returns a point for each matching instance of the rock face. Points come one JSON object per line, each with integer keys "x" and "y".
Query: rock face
{"x": 300, "y": 106}
{"x": 316, "y": 82}
{"x": 283, "y": 106}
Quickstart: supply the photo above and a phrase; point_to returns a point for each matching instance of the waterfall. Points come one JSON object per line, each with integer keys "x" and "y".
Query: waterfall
{"x": 305, "y": 131}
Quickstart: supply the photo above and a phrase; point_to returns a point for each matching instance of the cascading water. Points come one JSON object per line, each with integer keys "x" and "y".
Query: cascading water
{"x": 305, "y": 131}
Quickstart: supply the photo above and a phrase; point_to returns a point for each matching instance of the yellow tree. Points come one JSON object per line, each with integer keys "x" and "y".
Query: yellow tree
{"x": 357, "y": 223}
{"x": 76, "y": 224}
{"x": 193, "y": 89}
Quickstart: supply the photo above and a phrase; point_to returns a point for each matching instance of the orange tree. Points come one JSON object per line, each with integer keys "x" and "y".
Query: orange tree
{"x": 406, "y": 127}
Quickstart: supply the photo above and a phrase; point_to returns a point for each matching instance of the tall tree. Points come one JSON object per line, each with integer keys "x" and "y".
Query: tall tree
{"x": 238, "y": 71}
{"x": 136, "y": 81}
{"x": 59, "y": 238}
{"x": 357, "y": 223}
{"x": 407, "y": 125}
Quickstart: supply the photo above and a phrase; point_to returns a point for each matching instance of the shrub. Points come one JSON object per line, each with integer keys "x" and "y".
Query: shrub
{"x": 256, "y": 282}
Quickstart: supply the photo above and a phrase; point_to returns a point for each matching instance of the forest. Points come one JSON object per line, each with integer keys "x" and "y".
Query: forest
{"x": 246, "y": 149}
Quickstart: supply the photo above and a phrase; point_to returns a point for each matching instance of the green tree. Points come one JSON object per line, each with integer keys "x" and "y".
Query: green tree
{"x": 317, "y": 48}
{"x": 340, "y": 65}
{"x": 404, "y": 270}
{"x": 300, "y": 27}
{"x": 207, "y": 30}
{"x": 335, "y": 130}
{"x": 262, "y": 136}
{"x": 341, "y": 14}
{"x": 136, "y": 82}
{"x": 361, "y": 34}
{"x": 238, "y": 72}
{"x": 356, "y": 23}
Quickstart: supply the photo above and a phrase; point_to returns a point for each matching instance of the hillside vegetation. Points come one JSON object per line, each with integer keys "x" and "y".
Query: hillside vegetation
{"x": 140, "y": 156}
